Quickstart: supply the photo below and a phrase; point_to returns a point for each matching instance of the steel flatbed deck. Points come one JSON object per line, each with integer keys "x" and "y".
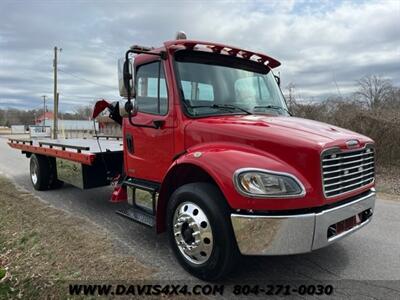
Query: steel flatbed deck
{"x": 78, "y": 150}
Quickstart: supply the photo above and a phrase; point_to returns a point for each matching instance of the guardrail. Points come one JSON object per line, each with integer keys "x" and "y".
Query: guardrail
{"x": 64, "y": 146}
{"x": 22, "y": 141}
{"x": 107, "y": 137}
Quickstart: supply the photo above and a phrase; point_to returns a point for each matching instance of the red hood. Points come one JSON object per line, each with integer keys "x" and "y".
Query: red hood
{"x": 271, "y": 129}
{"x": 296, "y": 141}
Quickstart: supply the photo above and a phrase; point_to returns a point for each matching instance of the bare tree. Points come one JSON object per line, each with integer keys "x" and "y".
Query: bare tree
{"x": 394, "y": 101}
{"x": 83, "y": 112}
{"x": 290, "y": 97}
{"x": 13, "y": 116}
{"x": 374, "y": 90}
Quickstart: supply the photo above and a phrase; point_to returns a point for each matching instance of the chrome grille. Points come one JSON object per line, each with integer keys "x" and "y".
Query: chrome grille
{"x": 347, "y": 171}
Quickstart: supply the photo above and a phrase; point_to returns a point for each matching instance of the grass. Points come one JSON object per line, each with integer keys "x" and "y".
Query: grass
{"x": 2, "y": 273}
{"x": 42, "y": 248}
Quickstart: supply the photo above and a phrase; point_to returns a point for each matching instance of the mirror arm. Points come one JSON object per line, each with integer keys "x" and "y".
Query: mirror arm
{"x": 278, "y": 80}
{"x": 128, "y": 108}
{"x": 127, "y": 79}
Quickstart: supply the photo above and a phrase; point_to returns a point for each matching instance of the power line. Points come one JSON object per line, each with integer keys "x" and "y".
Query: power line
{"x": 84, "y": 79}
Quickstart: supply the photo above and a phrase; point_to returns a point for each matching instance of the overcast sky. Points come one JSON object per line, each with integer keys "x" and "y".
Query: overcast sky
{"x": 318, "y": 42}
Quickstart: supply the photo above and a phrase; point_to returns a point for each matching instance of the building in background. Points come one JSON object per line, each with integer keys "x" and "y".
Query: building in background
{"x": 69, "y": 128}
{"x": 108, "y": 126}
{"x": 47, "y": 118}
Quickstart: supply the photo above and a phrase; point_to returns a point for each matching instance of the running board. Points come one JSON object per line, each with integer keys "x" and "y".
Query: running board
{"x": 142, "y": 194}
{"x": 137, "y": 215}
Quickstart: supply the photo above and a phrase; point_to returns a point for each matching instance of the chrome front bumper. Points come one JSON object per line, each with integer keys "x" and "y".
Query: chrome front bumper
{"x": 291, "y": 234}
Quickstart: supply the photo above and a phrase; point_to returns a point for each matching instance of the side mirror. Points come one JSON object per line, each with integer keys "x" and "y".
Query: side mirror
{"x": 125, "y": 78}
{"x": 278, "y": 80}
{"x": 126, "y": 82}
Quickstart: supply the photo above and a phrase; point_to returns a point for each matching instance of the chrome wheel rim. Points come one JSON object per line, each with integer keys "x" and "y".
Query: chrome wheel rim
{"x": 34, "y": 176}
{"x": 193, "y": 233}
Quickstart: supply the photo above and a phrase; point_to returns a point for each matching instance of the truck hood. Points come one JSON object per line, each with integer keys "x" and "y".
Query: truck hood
{"x": 296, "y": 142}
{"x": 261, "y": 129}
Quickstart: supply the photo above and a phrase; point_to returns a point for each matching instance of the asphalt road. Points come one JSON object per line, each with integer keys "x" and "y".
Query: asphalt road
{"x": 370, "y": 254}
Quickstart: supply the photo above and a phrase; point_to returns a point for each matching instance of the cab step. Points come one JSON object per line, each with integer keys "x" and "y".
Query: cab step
{"x": 137, "y": 215}
{"x": 142, "y": 184}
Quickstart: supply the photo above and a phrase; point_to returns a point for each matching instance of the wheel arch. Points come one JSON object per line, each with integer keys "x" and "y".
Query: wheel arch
{"x": 178, "y": 175}
{"x": 217, "y": 163}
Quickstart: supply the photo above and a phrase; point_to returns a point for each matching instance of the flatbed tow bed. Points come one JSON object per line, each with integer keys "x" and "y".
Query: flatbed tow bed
{"x": 85, "y": 163}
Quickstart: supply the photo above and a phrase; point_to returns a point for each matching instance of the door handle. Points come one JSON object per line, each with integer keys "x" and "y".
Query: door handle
{"x": 129, "y": 143}
{"x": 158, "y": 123}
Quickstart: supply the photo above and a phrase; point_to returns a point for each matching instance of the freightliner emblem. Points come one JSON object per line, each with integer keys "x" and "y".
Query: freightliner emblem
{"x": 352, "y": 143}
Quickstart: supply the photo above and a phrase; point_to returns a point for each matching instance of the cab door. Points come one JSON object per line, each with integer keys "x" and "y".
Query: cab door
{"x": 149, "y": 151}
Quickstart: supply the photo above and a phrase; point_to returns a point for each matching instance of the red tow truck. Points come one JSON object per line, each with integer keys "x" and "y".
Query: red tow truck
{"x": 211, "y": 155}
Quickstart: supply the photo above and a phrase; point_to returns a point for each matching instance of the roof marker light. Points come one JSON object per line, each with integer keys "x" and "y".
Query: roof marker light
{"x": 181, "y": 35}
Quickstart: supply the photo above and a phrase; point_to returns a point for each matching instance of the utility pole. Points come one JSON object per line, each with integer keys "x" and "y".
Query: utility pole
{"x": 44, "y": 110}
{"x": 55, "y": 124}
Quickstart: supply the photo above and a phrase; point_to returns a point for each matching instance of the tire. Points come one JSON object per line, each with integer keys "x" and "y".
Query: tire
{"x": 40, "y": 172}
{"x": 43, "y": 173}
{"x": 54, "y": 182}
{"x": 207, "y": 248}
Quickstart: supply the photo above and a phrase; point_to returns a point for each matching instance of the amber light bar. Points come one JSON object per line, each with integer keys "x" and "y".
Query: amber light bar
{"x": 223, "y": 49}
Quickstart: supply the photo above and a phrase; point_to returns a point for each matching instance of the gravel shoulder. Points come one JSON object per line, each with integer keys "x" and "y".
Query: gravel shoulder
{"x": 42, "y": 247}
{"x": 388, "y": 183}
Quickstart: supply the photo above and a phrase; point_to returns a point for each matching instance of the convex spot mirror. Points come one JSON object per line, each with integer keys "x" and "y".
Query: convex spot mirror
{"x": 131, "y": 106}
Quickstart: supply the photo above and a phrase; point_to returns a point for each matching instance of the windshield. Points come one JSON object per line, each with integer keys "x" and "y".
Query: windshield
{"x": 218, "y": 84}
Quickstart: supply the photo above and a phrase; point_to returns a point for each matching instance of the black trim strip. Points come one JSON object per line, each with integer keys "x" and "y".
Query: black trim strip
{"x": 147, "y": 185}
{"x": 179, "y": 154}
{"x": 306, "y": 210}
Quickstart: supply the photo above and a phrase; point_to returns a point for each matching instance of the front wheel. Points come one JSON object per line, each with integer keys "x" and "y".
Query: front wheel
{"x": 200, "y": 231}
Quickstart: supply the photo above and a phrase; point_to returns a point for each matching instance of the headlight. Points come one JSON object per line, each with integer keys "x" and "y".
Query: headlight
{"x": 258, "y": 182}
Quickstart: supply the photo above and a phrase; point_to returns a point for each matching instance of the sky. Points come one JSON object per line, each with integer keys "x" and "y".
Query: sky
{"x": 324, "y": 46}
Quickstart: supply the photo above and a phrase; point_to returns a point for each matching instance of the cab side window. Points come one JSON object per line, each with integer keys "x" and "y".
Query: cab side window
{"x": 149, "y": 86}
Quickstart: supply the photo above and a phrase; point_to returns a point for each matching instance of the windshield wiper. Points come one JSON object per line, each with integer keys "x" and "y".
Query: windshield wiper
{"x": 273, "y": 107}
{"x": 225, "y": 106}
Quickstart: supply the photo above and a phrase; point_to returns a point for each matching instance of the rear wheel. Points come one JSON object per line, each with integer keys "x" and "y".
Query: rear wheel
{"x": 40, "y": 172}
{"x": 43, "y": 173}
{"x": 200, "y": 231}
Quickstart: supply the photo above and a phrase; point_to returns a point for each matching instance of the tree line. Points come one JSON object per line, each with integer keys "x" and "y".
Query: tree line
{"x": 373, "y": 92}
{"x": 373, "y": 110}
{"x": 13, "y": 116}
